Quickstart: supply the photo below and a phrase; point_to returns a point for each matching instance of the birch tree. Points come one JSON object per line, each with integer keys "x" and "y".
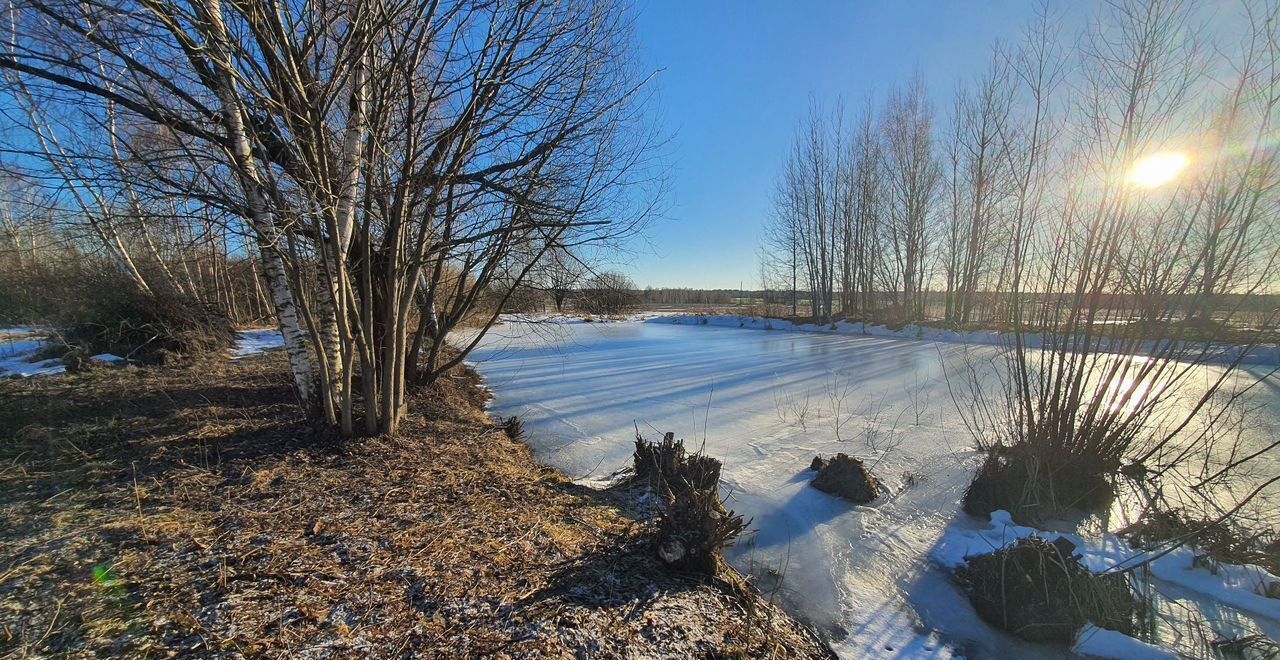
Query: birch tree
{"x": 376, "y": 149}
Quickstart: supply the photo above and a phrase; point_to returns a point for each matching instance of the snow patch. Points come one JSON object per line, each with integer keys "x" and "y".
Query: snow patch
{"x": 18, "y": 348}
{"x": 1095, "y": 642}
{"x": 255, "y": 341}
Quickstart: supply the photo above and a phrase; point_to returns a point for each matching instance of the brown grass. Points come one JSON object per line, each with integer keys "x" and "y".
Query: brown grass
{"x": 191, "y": 511}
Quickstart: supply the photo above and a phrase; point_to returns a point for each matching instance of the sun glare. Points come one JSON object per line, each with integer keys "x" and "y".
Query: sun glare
{"x": 1158, "y": 169}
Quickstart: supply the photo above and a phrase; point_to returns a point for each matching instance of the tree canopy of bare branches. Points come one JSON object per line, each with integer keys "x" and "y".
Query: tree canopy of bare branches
{"x": 390, "y": 161}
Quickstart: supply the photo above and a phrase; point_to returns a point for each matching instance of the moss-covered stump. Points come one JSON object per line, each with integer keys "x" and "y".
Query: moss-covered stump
{"x": 847, "y": 477}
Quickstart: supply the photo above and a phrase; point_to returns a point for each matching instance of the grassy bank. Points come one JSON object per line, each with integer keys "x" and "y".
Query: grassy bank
{"x": 191, "y": 510}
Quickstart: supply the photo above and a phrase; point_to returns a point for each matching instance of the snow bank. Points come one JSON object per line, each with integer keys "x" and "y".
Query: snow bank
{"x": 1096, "y": 642}
{"x": 1217, "y": 353}
{"x": 556, "y": 318}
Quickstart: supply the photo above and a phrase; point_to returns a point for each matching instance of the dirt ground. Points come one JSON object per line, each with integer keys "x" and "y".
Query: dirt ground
{"x": 192, "y": 511}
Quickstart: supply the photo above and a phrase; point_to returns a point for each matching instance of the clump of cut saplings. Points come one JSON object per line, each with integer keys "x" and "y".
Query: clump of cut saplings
{"x": 1039, "y": 590}
{"x": 694, "y": 526}
{"x": 845, "y": 476}
{"x": 512, "y": 427}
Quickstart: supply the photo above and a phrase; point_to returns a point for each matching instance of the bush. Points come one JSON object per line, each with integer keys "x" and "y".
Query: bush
{"x": 145, "y": 327}
{"x": 666, "y": 463}
{"x": 1031, "y": 485}
{"x": 1040, "y": 591}
{"x": 1220, "y": 539}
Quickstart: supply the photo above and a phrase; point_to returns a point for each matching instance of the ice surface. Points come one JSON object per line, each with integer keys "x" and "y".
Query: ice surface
{"x": 1217, "y": 353}
{"x": 765, "y": 403}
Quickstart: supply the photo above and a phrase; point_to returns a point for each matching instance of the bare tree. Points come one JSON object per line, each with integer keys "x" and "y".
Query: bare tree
{"x": 912, "y": 174}
{"x": 1100, "y": 377}
{"x": 609, "y": 294}
{"x": 559, "y": 274}
{"x": 977, "y": 194}
{"x": 374, "y": 148}
{"x": 861, "y": 224}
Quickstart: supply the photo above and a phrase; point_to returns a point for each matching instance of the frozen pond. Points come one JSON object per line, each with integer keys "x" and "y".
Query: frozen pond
{"x": 766, "y": 402}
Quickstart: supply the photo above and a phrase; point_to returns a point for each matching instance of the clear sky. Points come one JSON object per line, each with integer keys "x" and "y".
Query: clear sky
{"x": 737, "y": 77}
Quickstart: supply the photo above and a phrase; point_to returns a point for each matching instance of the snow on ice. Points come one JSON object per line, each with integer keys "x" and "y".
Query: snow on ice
{"x": 1098, "y": 642}
{"x": 1263, "y": 354}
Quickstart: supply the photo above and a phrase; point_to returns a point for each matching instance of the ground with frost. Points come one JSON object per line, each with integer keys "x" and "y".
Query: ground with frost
{"x": 766, "y": 403}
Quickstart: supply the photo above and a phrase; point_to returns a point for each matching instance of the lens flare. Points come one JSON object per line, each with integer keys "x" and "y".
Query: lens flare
{"x": 1158, "y": 169}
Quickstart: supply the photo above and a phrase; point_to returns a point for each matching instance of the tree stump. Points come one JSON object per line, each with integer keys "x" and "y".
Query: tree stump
{"x": 693, "y": 525}
{"x": 847, "y": 477}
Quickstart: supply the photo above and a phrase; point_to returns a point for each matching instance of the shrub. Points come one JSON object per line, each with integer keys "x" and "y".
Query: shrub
{"x": 1220, "y": 539}
{"x": 608, "y": 294}
{"x": 1040, "y": 591}
{"x": 1033, "y": 484}
{"x": 145, "y": 327}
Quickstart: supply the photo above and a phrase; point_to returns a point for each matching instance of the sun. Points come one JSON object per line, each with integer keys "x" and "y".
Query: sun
{"x": 1158, "y": 169}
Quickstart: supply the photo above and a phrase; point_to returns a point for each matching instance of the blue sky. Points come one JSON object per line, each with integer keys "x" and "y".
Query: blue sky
{"x": 737, "y": 76}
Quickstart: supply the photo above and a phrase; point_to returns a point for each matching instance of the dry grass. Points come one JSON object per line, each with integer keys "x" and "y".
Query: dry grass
{"x": 158, "y": 512}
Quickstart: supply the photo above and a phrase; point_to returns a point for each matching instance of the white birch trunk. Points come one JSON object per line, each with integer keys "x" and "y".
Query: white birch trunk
{"x": 263, "y": 221}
